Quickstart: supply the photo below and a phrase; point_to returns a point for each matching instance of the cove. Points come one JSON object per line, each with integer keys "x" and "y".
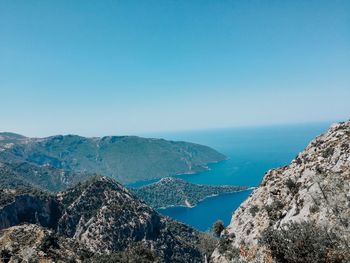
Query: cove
{"x": 203, "y": 215}
{"x": 251, "y": 151}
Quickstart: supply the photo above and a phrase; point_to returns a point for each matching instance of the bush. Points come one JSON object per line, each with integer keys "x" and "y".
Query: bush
{"x": 303, "y": 243}
{"x": 218, "y": 227}
{"x": 224, "y": 245}
{"x": 314, "y": 209}
{"x": 137, "y": 253}
{"x": 253, "y": 210}
{"x": 274, "y": 209}
{"x": 328, "y": 152}
{"x": 292, "y": 186}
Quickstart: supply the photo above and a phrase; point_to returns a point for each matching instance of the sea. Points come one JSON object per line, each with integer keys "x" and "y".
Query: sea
{"x": 251, "y": 152}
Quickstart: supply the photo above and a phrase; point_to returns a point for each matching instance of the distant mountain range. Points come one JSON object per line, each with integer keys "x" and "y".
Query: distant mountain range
{"x": 124, "y": 158}
{"x": 176, "y": 192}
{"x": 299, "y": 213}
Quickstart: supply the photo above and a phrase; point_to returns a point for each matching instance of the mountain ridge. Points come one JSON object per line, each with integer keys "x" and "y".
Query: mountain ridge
{"x": 125, "y": 158}
{"x": 97, "y": 216}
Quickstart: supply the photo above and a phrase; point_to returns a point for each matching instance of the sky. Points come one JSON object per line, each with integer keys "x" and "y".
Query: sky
{"x": 108, "y": 67}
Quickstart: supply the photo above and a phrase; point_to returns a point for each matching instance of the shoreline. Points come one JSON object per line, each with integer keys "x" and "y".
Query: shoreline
{"x": 203, "y": 199}
{"x": 157, "y": 179}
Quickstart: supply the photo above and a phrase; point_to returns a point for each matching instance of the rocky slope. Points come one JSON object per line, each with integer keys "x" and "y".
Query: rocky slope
{"x": 125, "y": 158}
{"x": 33, "y": 243}
{"x": 300, "y": 212}
{"x": 171, "y": 191}
{"x": 97, "y": 218}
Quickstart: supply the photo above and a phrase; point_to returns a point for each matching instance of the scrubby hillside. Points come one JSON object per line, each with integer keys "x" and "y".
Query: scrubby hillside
{"x": 33, "y": 243}
{"x": 176, "y": 192}
{"x": 101, "y": 218}
{"x": 125, "y": 158}
{"x": 24, "y": 174}
{"x": 299, "y": 213}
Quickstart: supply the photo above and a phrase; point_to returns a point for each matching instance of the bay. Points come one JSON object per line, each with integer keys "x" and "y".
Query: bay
{"x": 251, "y": 151}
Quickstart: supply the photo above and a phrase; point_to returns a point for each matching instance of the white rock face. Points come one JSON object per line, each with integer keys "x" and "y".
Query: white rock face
{"x": 314, "y": 187}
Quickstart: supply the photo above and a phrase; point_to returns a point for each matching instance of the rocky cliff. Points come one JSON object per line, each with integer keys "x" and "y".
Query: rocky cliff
{"x": 299, "y": 213}
{"x": 33, "y": 243}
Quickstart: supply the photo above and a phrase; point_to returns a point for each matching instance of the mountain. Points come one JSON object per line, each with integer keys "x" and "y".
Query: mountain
{"x": 98, "y": 220}
{"x": 299, "y": 213}
{"x": 48, "y": 178}
{"x": 124, "y": 158}
{"x": 171, "y": 191}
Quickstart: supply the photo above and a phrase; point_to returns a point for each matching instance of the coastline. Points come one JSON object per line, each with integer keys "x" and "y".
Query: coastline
{"x": 203, "y": 199}
{"x": 157, "y": 179}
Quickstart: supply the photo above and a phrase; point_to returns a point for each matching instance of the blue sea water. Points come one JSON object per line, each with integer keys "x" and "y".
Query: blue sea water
{"x": 251, "y": 151}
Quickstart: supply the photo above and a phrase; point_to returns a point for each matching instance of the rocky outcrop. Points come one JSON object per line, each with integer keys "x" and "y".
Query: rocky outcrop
{"x": 36, "y": 209}
{"x": 100, "y": 217}
{"x": 33, "y": 243}
{"x": 300, "y": 212}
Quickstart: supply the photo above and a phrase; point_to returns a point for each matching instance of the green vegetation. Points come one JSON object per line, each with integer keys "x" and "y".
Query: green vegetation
{"x": 292, "y": 186}
{"x": 274, "y": 210}
{"x": 303, "y": 243}
{"x": 24, "y": 175}
{"x": 135, "y": 253}
{"x": 218, "y": 227}
{"x": 177, "y": 192}
{"x": 253, "y": 210}
{"x": 125, "y": 158}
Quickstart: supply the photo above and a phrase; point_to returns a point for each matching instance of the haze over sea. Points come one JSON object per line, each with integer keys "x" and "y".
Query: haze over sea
{"x": 251, "y": 151}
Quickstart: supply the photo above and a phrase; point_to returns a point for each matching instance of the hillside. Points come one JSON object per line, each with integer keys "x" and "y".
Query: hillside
{"x": 23, "y": 174}
{"x": 96, "y": 220}
{"x": 299, "y": 213}
{"x": 124, "y": 158}
{"x": 176, "y": 192}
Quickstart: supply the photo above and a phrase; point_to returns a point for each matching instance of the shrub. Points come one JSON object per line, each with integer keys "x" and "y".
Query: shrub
{"x": 218, "y": 227}
{"x": 224, "y": 245}
{"x": 314, "y": 208}
{"x": 49, "y": 242}
{"x": 292, "y": 186}
{"x": 232, "y": 254}
{"x": 136, "y": 253}
{"x": 5, "y": 255}
{"x": 302, "y": 243}
{"x": 274, "y": 209}
{"x": 253, "y": 210}
{"x": 328, "y": 152}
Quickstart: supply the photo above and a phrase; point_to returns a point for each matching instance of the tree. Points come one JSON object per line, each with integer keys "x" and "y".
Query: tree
{"x": 218, "y": 227}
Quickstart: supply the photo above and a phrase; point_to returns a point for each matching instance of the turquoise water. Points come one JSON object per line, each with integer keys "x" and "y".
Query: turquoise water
{"x": 207, "y": 212}
{"x": 251, "y": 151}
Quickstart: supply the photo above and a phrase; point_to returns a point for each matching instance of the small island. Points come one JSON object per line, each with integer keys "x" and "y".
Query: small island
{"x": 172, "y": 191}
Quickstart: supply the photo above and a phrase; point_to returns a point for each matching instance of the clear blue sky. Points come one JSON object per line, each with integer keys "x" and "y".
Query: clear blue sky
{"x": 115, "y": 67}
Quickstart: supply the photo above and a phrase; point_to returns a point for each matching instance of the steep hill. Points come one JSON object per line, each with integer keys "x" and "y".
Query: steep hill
{"x": 125, "y": 158}
{"x": 299, "y": 213}
{"x": 95, "y": 219}
{"x": 176, "y": 192}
